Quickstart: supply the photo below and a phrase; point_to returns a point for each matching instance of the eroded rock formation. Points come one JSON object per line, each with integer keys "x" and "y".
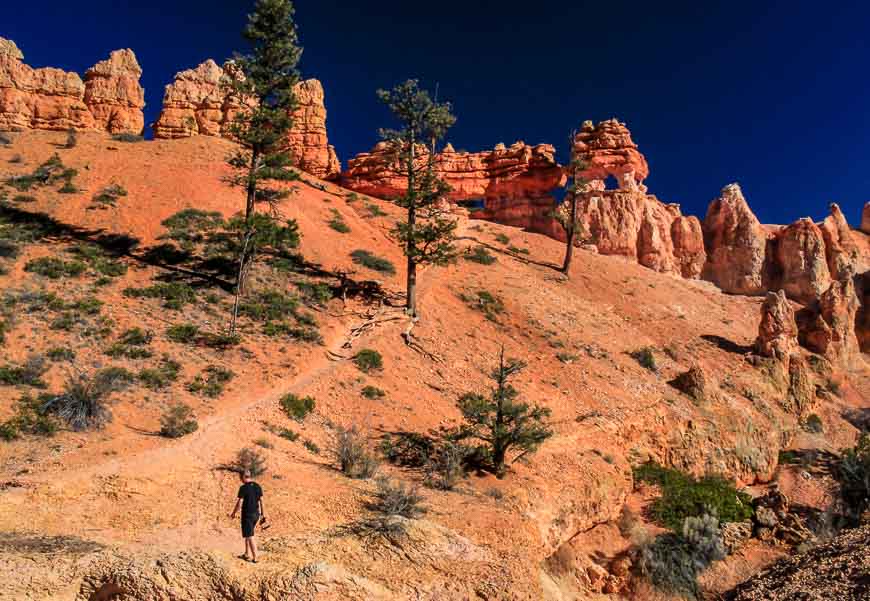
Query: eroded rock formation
{"x": 801, "y": 257}
{"x": 777, "y": 332}
{"x": 109, "y": 99}
{"x": 831, "y": 330}
{"x": 626, "y": 220}
{"x": 195, "y": 103}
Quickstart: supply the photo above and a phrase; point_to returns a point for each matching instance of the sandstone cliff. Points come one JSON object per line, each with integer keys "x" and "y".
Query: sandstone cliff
{"x": 109, "y": 99}
{"x": 196, "y": 104}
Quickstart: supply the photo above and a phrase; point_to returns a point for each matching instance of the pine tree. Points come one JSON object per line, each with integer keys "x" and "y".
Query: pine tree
{"x": 566, "y": 216}
{"x": 500, "y": 421}
{"x": 428, "y": 233}
{"x": 261, "y": 84}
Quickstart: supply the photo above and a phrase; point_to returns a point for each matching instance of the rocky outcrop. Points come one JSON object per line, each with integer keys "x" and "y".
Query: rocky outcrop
{"x": 626, "y": 220}
{"x": 832, "y": 570}
{"x": 841, "y": 250}
{"x": 831, "y": 329}
{"x": 778, "y": 331}
{"x": 865, "y": 218}
{"x": 802, "y": 260}
{"x": 736, "y": 244}
{"x": 196, "y": 103}
{"x": 109, "y": 99}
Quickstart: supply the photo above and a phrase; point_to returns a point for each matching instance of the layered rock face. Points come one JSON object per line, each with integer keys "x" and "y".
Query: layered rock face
{"x": 778, "y": 331}
{"x": 513, "y": 183}
{"x": 109, "y": 99}
{"x": 626, "y": 220}
{"x": 195, "y": 103}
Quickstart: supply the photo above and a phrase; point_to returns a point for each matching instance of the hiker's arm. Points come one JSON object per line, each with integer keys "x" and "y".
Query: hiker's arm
{"x": 236, "y": 509}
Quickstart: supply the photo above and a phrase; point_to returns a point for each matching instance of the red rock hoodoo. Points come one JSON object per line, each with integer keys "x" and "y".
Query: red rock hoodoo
{"x": 625, "y": 220}
{"x": 195, "y": 104}
{"x": 109, "y": 99}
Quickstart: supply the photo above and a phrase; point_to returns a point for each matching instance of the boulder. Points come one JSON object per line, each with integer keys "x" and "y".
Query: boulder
{"x": 736, "y": 244}
{"x": 697, "y": 385}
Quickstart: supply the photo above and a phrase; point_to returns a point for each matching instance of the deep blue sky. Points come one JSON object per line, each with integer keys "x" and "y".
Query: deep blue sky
{"x": 775, "y": 95}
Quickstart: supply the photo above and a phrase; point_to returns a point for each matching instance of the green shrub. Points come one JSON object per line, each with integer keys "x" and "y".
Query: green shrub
{"x": 683, "y": 496}
{"x": 269, "y": 305}
{"x": 672, "y": 562}
{"x": 59, "y": 353}
{"x": 296, "y": 407}
{"x": 373, "y": 392}
{"x": 211, "y": 382}
{"x": 352, "y": 454}
{"x": 518, "y": 250}
{"x": 174, "y": 294}
{"x": 89, "y": 305}
{"x": 646, "y": 358}
{"x": 264, "y": 443}
{"x": 108, "y": 196}
{"x": 315, "y": 294}
{"x": 311, "y": 446}
{"x": 82, "y": 404}
{"x": 502, "y": 239}
{"x": 298, "y": 333}
{"x": 49, "y": 172}
{"x": 374, "y": 210}
{"x": 182, "y": 332}
{"x": 130, "y": 345}
{"x": 446, "y": 466}
{"x": 157, "y": 378}
{"x": 368, "y": 360}
{"x": 23, "y": 198}
{"x": 99, "y": 260}
{"x": 486, "y": 302}
{"x": 814, "y": 424}
{"x": 127, "y": 138}
{"x": 177, "y": 421}
{"x": 375, "y": 263}
{"x": 853, "y": 474}
{"x": 479, "y": 255}
{"x": 338, "y": 224}
{"x": 190, "y": 227}
{"x": 29, "y": 418}
{"x": 220, "y": 341}
{"x": 28, "y": 374}
{"x": 54, "y": 268}
{"x": 250, "y": 460}
{"x": 285, "y": 433}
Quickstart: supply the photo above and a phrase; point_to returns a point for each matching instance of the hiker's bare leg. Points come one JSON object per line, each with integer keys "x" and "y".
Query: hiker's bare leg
{"x": 247, "y": 547}
{"x": 253, "y": 548}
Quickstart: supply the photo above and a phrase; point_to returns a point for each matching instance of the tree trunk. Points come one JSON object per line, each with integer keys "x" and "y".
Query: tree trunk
{"x": 498, "y": 461}
{"x": 570, "y": 233}
{"x": 411, "y": 288}
{"x": 241, "y": 278}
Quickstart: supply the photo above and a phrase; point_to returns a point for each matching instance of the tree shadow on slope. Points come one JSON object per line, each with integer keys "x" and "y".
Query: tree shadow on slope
{"x": 727, "y": 345}
{"x": 513, "y": 255}
{"x": 16, "y": 542}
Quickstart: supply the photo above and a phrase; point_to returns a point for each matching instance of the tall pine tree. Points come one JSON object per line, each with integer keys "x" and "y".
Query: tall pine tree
{"x": 566, "y": 215}
{"x": 260, "y": 83}
{"x": 428, "y": 233}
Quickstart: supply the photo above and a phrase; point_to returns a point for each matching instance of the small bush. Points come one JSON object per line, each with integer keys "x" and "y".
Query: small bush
{"x": 479, "y": 255}
{"x": 183, "y": 333}
{"x": 518, "y": 250}
{"x": 446, "y": 467}
{"x": 54, "y": 268}
{"x": 174, "y": 294}
{"x": 853, "y": 474}
{"x": 82, "y": 404}
{"x": 158, "y": 378}
{"x": 311, "y": 446}
{"x": 646, "y": 358}
{"x": 285, "y": 433}
{"x": 298, "y": 333}
{"x": 683, "y": 496}
{"x": 374, "y": 210}
{"x": 502, "y": 239}
{"x": 368, "y": 360}
{"x": 108, "y": 196}
{"x": 99, "y": 260}
{"x": 23, "y": 198}
{"x": 373, "y": 392}
{"x": 264, "y": 443}
{"x": 29, "y": 418}
{"x": 486, "y": 302}
{"x": 127, "y": 138}
{"x": 211, "y": 382}
{"x": 672, "y": 562}
{"x": 338, "y": 224}
{"x": 814, "y": 424}
{"x": 29, "y": 374}
{"x": 269, "y": 305}
{"x": 220, "y": 341}
{"x": 295, "y": 407}
{"x": 59, "y": 353}
{"x": 315, "y": 294}
{"x": 130, "y": 345}
{"x": 251, "y": 460}
{"x": 177, "y": 421}
{"x": 375, "y": 263}
{"x": 352, "y": 454}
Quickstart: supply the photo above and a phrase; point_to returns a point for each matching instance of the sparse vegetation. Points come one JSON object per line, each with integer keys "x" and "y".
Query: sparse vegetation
{"x": 158, "y": 378}
{"x": 130, "y": 345}
{"x": 646, "y": 358}
{"x": 315, "y": 294}
{"x": 813, "y": 424}
{"x": 30, "y": 418}
{"x": 499, "y": 422}
{"x": 250, "y": 460}
{"x": 486, "y": 302}
{"x": 48, "y": 173}
{"x": 374, "y": 210}
{"x": 28, "y": 374}
{"x": 518, "y": 250}
{"x": 375, "y": 263}
{"x": 285, "y": 433}
{"x": 83, "y": 403}
{"x": 683, "y": 496}
{"x": 54, "y": 268}
{"x": 373, "y": 392}
{"x": 108, "y": 197}
{"x": 23, "y": 198}
{"x": 446, "y": 466}
{"x": 211, "y": 381}
{"x": 178, "y": 420}
{"x": 127, "y": 138}
{"x": 480, "y": 255}
{"x": 351, "y": 452}
{"x": 100, "y": 261}
{"x": 311, "y": 446}
{"x": 296, "y": 407}
{"x": 264, "y": 443}
{"x": 853, "y": 473}
{"x": 338, "y": 223}
{"x": 368, "y": 360}
{"x": 502, "y": 239}
{"x": 183, "y": 333}
{"x": 58, "y": 353}
{"x": 174, "y": 294}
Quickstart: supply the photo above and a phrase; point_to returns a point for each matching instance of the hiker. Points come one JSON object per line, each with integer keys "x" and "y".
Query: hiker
{"x": 250, "y": 499}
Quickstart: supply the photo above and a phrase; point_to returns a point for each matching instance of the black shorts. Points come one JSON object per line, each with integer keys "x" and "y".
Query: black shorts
{"x": 248, "y": 524}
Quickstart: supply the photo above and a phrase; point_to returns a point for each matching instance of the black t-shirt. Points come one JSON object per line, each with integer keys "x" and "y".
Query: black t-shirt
{"x": 250, "y": 493}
